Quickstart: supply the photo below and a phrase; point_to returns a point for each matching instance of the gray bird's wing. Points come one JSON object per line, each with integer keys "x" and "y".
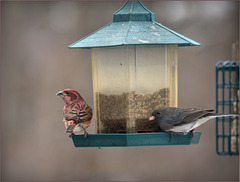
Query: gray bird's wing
{"x": 171, "y": 117}
{"x": 193, "y": 114}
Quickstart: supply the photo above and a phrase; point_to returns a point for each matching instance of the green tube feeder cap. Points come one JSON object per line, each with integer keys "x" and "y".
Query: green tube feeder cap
{"x": 133, "y": 24}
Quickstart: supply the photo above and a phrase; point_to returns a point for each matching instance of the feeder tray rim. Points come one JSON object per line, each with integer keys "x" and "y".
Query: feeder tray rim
{"x": 134, "y": 139}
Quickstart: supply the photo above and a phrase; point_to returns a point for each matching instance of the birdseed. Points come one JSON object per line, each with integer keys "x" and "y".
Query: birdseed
{"x": 129, "y": 112}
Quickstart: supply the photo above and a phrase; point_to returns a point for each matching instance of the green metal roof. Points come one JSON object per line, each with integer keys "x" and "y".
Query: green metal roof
{"x": 133, "y": 24}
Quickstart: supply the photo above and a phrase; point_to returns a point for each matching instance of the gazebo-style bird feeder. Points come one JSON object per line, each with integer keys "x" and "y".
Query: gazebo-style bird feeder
{"x": 135, "y": 71}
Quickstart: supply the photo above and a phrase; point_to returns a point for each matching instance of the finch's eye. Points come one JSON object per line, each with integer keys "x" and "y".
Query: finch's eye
{"x": 67, "y": 92}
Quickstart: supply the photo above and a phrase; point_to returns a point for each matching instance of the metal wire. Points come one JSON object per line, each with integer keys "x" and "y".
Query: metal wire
{"x": 227, "y": 90}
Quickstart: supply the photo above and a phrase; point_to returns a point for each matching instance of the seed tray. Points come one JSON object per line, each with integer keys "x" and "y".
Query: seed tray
{"x": 134, "y": 139}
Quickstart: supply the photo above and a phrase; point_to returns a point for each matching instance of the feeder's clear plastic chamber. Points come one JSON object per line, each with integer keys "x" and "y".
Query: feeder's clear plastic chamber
{"x": 129, "y": 83}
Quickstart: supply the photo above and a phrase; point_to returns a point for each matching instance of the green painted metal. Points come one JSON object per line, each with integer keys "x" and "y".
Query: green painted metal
{"x": 133, "y": 11}
{"x": 134, "y": 139}
{"x": 133, "y": 24}
{"x": 227, "y": 86}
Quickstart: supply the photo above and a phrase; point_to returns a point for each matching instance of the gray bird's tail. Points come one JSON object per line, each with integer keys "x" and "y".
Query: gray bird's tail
{"x": 225, "y": 115}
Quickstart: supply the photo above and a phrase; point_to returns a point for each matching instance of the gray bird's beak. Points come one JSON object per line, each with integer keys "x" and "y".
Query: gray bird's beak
{"x": 152, "y": 118}
{"x": 61, "y": 94}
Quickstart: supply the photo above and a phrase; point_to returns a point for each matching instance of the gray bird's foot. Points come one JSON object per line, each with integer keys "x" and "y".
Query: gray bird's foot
{"x": 171, "y": 134}
{"x": 171, "y": 137}
{"x": 192, "y": 133}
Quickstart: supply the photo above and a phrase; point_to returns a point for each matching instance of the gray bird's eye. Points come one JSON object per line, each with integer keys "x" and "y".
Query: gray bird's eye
{"x": 158, "y": 113}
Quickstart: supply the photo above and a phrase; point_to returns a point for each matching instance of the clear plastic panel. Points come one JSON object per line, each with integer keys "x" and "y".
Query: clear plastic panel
{"x": 129, "y": 83}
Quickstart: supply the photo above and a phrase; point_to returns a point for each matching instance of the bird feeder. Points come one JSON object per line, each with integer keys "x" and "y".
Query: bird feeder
{"x": 134, "y": 70}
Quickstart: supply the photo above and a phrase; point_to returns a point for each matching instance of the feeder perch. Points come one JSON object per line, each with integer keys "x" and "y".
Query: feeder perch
{"x": 134, "y": 139}
{"x": 135, "y": 71}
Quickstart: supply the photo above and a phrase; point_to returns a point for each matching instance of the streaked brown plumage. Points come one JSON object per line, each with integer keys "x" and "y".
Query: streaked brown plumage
{"x": 77, "y": 114}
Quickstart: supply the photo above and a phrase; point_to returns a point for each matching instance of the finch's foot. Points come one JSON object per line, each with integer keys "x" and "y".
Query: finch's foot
{"x": 70, "y": 136}
{"x": 85, "y": 134}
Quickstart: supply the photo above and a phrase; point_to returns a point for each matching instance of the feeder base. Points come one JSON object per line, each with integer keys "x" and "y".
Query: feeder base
{"x": 134, "y": 139}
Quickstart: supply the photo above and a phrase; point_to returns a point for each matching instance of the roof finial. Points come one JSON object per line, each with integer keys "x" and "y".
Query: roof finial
{"x": 133, "y": 11}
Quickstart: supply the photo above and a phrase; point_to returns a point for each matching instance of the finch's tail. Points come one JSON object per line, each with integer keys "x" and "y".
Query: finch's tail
{"x": 70, "y": 128}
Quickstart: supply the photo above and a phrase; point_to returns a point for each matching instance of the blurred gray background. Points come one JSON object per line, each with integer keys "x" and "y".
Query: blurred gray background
{"x": 36, "y": 63}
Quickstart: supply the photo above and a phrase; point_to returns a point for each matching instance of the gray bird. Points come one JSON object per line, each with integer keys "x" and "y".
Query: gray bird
{"x": 182, "y": 121}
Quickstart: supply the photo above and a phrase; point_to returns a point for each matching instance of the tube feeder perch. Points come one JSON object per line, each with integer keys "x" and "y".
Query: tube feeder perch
{"x": 134, "y": 71}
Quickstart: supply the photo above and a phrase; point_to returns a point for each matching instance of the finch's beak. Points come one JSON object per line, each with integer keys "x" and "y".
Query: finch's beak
{"x": 60, "y": 94}
{"x": 152, "y": 118}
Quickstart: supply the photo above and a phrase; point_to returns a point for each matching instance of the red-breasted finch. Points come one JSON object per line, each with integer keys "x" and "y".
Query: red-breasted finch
{"x": 77, "y": 114}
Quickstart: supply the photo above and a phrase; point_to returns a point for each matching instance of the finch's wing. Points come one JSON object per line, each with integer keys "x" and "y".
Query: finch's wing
{"x": 71, "y": 115}
{"x": 84, "y": 114}
{"x": 76, "y": 116}
{"x": 79, "y": 113}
